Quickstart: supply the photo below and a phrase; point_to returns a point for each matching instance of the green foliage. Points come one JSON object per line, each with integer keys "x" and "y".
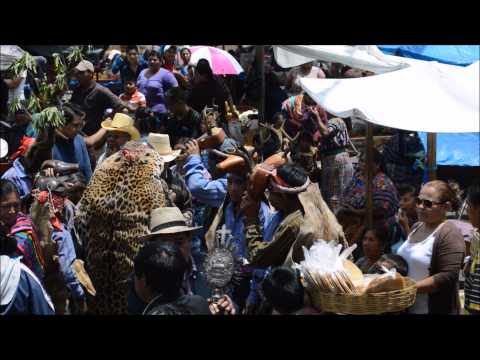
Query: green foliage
{"x": 26, "y": 62}
{"x": 75, "y": 56}
{"x": 15, "y": 105}
{"x": 50, "y": 117}
{"x": 33, "y": 104}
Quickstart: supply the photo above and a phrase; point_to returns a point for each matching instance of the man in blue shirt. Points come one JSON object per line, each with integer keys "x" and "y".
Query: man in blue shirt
{"x": 128, "y": 64}
{"x": 232, "y": 218}
{"x": 18, "y": 175}
{"x": 69, "y": 146}
{"x": 205, "y": 189}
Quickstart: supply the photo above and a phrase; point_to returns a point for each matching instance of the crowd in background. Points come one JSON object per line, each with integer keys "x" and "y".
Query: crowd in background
{"x": 165, "y": 107}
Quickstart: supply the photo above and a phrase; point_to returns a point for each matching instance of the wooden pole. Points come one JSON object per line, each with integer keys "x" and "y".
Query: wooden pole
{"x": 432, "y": 156}
{"x": 260, "y": 57}
{"x": 370, "y": 174}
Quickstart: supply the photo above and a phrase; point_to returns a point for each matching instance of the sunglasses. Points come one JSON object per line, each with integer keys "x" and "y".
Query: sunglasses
{"x": 427, "y": 203}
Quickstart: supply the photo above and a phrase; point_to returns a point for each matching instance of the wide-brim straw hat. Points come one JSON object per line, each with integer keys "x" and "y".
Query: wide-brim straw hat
{"x": 168, "y": 220}
{"x": 124, "y": 123}
{"x": 161, "y": 144}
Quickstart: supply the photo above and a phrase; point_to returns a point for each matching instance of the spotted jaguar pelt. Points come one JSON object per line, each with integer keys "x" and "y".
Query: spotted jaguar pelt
{"x": 112, "y": 214}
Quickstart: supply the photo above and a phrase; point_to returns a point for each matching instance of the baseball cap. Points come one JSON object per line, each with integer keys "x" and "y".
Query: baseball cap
{"x": 85, "y": 65}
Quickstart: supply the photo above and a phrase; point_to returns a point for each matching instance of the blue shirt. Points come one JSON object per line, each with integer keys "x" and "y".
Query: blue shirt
{"x": 260, "y": 274}
{"x": 74, "y": 152}
{"x": 17, "y": 175}
{"x": 201, "y": 185}
{"x": 235, "y": 224}
{"x": 119, "y": 64}
{"x": 67, "y": 255}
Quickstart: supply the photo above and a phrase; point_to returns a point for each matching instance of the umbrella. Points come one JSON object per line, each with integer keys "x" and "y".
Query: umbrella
{"x": 221, "y": 62}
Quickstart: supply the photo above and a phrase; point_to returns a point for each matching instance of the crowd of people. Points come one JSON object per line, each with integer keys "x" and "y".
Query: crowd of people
{"x": 117, "y": 210}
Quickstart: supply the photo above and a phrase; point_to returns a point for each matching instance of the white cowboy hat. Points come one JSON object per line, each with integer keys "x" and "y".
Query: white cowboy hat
{"x": 168, "y": 220}
{"x": 3, "y": 148}
{"x": 161, "y": 143}
{"x": 124, "y": 123}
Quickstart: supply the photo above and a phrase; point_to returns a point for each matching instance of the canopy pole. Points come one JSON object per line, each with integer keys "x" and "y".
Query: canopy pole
{"x": 370, "y": 174}
{"x": 260, "y": 57}
{"x": 432, "y": 156}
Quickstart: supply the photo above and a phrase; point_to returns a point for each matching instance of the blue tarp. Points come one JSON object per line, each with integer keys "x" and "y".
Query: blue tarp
{"x": 452, "y": 149}
{"x": 462, "y": 55}
{"x": 456, "y": 149}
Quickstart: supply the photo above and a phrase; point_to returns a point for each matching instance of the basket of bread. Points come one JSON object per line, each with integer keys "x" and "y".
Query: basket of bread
{"x": 337, "y": 285}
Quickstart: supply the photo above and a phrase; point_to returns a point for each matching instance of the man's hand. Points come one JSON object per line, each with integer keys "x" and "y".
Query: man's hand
{"x": 49, "y": 172}
{"x": 223, "y": 307}
{"x": 249, "y": 206}
{"x": 192, "y": 148}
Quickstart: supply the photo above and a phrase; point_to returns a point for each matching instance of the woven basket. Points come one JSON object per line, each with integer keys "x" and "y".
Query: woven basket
{"x": 366, "y": 304}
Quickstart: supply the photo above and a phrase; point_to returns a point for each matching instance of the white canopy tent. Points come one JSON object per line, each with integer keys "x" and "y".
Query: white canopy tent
{"x": 407, "y": 94}
{"x": 364, "y": 57}
{"x": 424, "y": 97}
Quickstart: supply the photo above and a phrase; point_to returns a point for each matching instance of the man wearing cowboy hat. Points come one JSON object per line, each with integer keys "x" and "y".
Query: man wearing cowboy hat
{"x": 178, "y": 191}
{"x": 120, "y": 130}
{"x": 168, "y": 225}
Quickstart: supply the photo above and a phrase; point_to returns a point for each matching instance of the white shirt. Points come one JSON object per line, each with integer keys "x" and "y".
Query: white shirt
{"x": 19, "y": 90}
{"x": 418, "y": 255}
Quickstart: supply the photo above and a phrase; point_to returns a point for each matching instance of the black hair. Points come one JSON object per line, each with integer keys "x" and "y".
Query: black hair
{"x": 8, "y": 244}
{"x": 71, "y": 110}
{"x": 183, "y": 140}
{"x": 130, "y": 79}
{"x": 176, "y": 95}
{"x": 404, "y": 189}
{"x": 282, "y": 289}
{"x": 381, "y": 233}
{"x": 163, "y": 266}
{"x": 378, "y": 159}
{"x": 150, "y": 53}
{"x": 203, "y": 68}
{"x": 293, "y": 175}
{"x": 171, "y": 309}
{"x": 278, "y": 115}
{"x": 132, "y": 47}
{"x": 144, "y": 122}
{"x": 393, "y": 261}
{"x": 473, "y": 194}
{"x": 186, "y": 48}
{"x": 7, "y": 187}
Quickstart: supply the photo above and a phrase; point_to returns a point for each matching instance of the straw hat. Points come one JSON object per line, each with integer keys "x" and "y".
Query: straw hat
{"x": 124, "y": 123}
{"x": 168, "y": 220}
{"x": 3, "y": 148}
{"x": 161, "y": 143}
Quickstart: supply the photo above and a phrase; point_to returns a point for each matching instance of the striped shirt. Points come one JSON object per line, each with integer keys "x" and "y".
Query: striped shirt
{"x": 472, "y": 279}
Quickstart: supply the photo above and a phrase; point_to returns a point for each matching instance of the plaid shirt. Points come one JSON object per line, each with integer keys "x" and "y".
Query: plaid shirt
{"x": 472, "y": 278}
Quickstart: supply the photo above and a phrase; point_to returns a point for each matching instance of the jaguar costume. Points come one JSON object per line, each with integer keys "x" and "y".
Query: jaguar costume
{"x": 113, "y": 213}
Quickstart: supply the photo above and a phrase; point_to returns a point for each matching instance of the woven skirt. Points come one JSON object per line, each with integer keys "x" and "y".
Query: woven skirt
{"x": 337, "y": 172}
